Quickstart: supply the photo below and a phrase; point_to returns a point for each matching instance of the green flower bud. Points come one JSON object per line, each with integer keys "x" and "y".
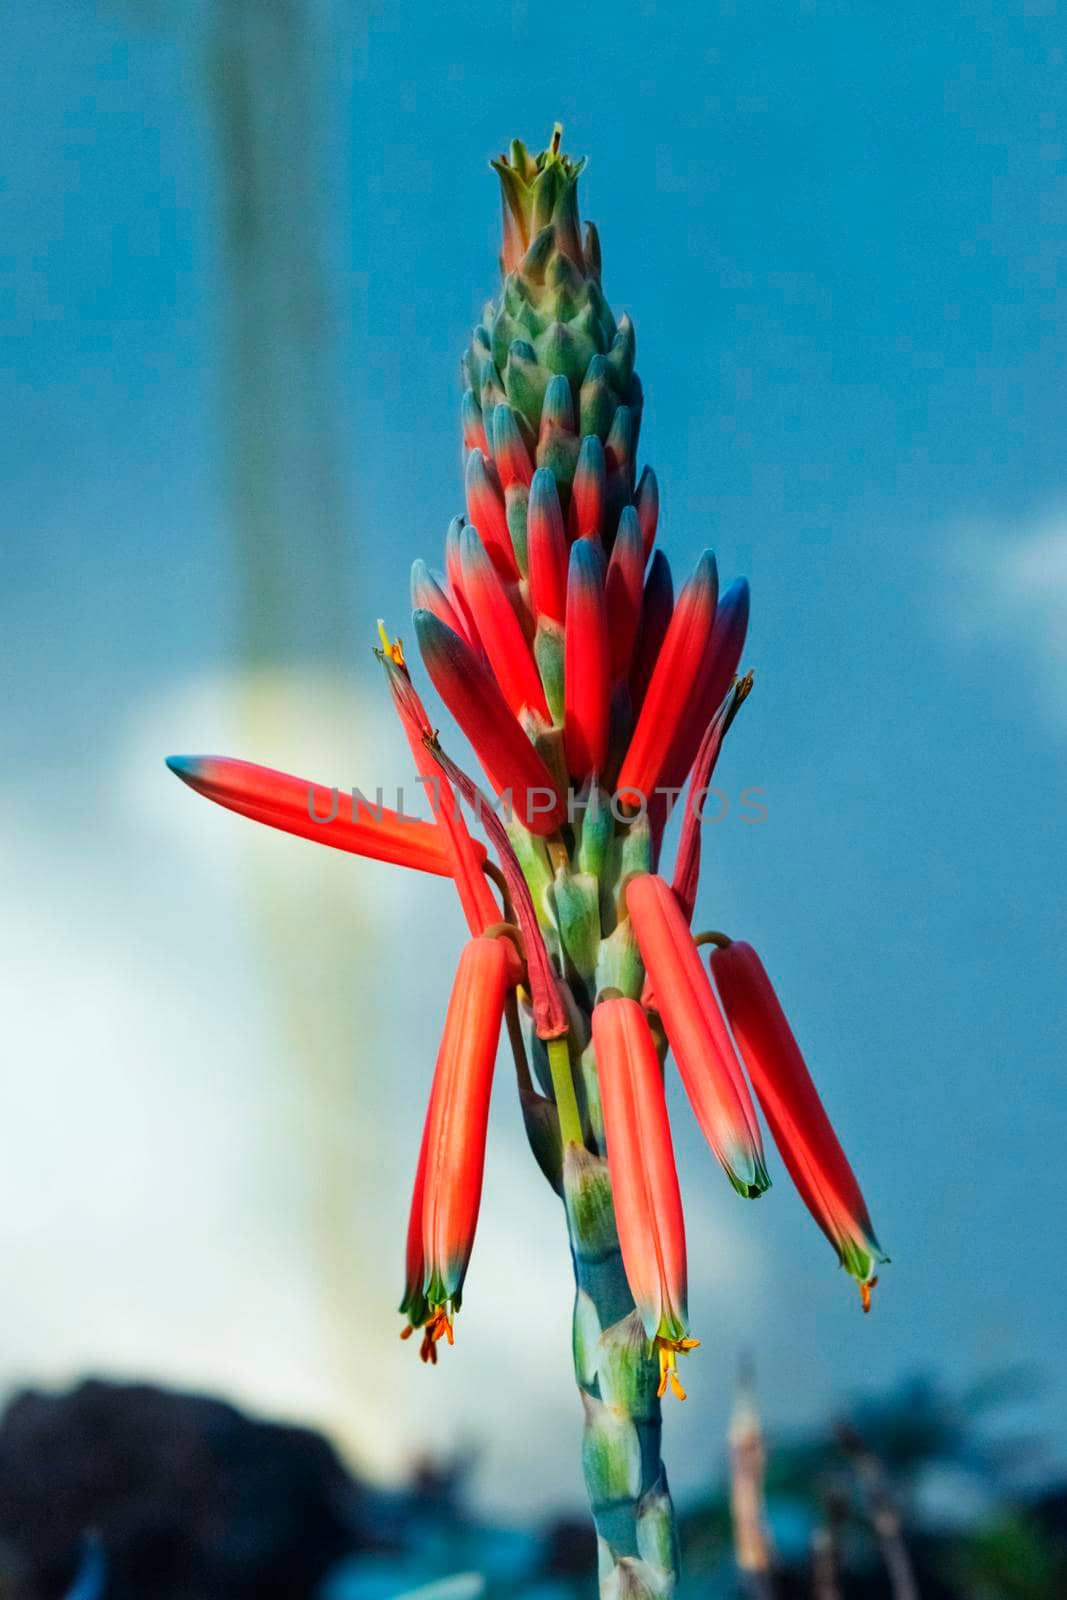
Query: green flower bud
{"x": 577, "y": 901}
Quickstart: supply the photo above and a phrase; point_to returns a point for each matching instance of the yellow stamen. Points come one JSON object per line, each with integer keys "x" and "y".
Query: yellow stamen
{"x": 392, "y": 647}
{"x": 865, "y": 1293}
{"x": 438, "y": 1325}
{"x": 669, "y": 1351}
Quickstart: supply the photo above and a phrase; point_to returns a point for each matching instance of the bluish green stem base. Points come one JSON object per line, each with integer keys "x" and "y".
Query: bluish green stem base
{"x": 618, "y": 1374}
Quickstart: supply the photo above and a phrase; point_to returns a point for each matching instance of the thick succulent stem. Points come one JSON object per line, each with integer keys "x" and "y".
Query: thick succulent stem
{"x": 618, "y": 1376}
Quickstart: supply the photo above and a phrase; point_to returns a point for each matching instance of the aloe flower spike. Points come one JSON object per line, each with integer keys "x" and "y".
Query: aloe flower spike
{"x": 577, "y": 679}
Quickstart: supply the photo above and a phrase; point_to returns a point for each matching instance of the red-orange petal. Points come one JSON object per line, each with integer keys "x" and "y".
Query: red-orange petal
{"x": 676, "y": 672}
{"x": 458, "y": 1118}
{"x": 586, "y": 663}
{"x": 644, "y": 1181}
{"x": 498, "y": 628}
{"x": 657, "y": 606}
{"x": 797, "y": 1118}
{"x": 471, "y": 693}
{"x": 707, "y": 1063}
{"x": 487, "y": 511}
{"x": 623, "y": 590}
{"x": 476, "y": 897}
{"x": 714, "y": 680}
{"x": 547, "y": 548}
{"x": 311, "y": 811}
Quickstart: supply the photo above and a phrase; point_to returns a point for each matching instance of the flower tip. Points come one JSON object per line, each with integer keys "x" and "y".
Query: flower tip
{"x": 193, "y": 770}
{"x": 706, "y": 571}
{"x": 433, "y": 635}
{"x": 865, "y": 1293}
{"x": 750, "y": 1188}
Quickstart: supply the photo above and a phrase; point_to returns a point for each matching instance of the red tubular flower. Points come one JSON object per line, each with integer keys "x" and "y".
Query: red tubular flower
{"x": 473, "y": 426}
{"x": 586, "y": 680}
{"x": 429, "y": 595}
{"x": 448, "y": 1184}
{"x": 802, "y": 1131}
{"x": 674, "y": 677}
{"x": 646, "y": 500}
{"x": 284, "y": 802}
{"x": 454, "y": 574}
{"x": 414, "y": 1305}
{"x": 644, "y": 1182}
{"x": 509, "y": 452}
{"x": 623, "y": 589}
{"x": 547, "y": 548}
{"x": 498, "y": 627}
{"x": 550, "y": 1016}
{"x": 470, "y": 691}
{"x": 687, "y": 861}
{"x": 476, "y": 897}
{"x": 715, "y": 678}
{"x": 486, "y": 510}
{"x": 708, "y": 1065}
{"x": 657, "y": 605}
{"x": 588, "y": 491}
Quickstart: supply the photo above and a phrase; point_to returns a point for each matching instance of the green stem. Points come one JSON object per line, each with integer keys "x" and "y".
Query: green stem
{"x": 617, "y": 1371}
{"x": 559, "y": 1065}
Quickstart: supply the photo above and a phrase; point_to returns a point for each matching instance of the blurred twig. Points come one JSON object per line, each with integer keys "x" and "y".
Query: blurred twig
{"x": 884, "y": 1512}
{"x": 752, "y": 1543}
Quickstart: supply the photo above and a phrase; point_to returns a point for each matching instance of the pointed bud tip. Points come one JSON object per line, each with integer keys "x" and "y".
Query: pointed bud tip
{"x": 187, "y": 768}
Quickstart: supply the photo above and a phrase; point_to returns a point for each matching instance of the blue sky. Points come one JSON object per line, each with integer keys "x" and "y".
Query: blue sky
{"x": 841, "y": 235}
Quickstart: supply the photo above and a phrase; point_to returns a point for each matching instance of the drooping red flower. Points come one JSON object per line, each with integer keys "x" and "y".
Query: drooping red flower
{"x": 648, "y": 1203}
{"x": 448, "y": 1183}
{"x": 802, "y": 1131}
{"x": 709, "y": 1069}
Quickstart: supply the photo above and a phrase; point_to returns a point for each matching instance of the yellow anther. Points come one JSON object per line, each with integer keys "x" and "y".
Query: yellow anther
{"x": 668, "y": 1351}
{"x": 865, "y": 1293}
{"x": 438, "y": 1325}
{"x": 392, "y": 647}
